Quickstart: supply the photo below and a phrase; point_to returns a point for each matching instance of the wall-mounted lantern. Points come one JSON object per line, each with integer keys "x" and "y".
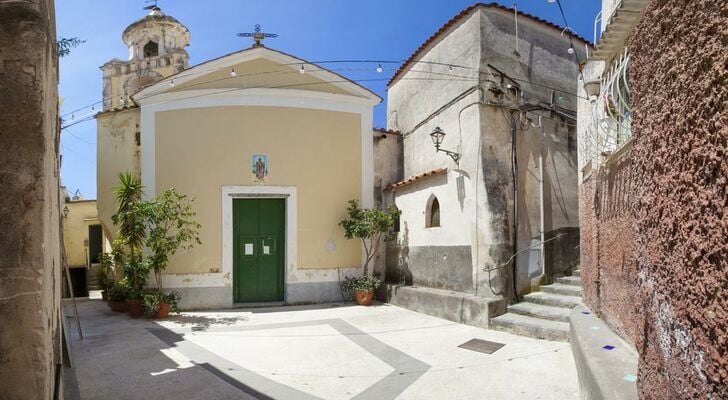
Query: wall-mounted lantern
{"x": 65, "y": 212}
{"x": 438, "y": 135}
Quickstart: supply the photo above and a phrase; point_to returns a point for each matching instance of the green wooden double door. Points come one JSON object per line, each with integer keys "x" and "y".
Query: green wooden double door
{"x": 259, "y": 227}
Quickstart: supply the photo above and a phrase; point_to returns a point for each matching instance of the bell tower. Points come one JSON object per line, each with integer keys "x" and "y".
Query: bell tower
{"x": 156, "y": 46}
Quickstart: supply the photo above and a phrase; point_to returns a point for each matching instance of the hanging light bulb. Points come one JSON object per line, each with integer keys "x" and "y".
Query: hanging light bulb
{"x": 92, "y": 107}
{"x": 302, "y": 70}
{"x": 72, "y": 117}
{"x": 171, "y": 83}
{"x": 571, "y": 50}
{"x": 232, "y": 73}
{"x": 379, "y": 68}
{"x": 449, "y": 67}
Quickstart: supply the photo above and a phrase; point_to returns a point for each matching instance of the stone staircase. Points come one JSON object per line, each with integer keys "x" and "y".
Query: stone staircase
{"x": 543, "y": 314}
{"x": 91, "y": 281}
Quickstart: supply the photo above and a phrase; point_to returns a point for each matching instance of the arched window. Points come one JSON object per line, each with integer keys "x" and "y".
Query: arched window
{"x": 432, "y": 214}
{"x": 151, "y": 49}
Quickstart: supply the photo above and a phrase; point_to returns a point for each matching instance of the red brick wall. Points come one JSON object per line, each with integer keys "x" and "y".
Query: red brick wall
{"x": 679, "y": 82}
{"x": 607, "y": 247}
{"x": 654, "y": 235}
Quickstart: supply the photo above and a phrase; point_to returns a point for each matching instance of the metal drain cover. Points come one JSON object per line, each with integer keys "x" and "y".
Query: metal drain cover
{"x": 482, "y": 346}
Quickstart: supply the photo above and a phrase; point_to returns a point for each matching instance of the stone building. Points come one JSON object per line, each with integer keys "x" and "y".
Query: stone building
{"x": 83, "y": 241}
{"x": 271, "y": 148}
{"x": 652, "y": 161}
{"x": 495, "y": 215}
{"x": 30, "y": 243}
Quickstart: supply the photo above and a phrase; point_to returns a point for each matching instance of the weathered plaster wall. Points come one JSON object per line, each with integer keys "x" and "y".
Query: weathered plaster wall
{"x": 29, "y": 209}
{"x": 117, "y": 150}
{"x": 438, "y": 257}
{"x": 482, "y": 134}
{"x": 388, "y": 169}
{"x": 679, "y": 81}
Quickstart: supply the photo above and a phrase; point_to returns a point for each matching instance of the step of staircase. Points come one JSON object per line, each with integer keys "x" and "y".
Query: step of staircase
{"x": 531, "y": 326}
{"x": 576, "y": 272}
{"x": 551, "y": 299}
{"x": 540, "y": 311}
{"x": 566, "y": 290}
{"x": 569, "y": 280}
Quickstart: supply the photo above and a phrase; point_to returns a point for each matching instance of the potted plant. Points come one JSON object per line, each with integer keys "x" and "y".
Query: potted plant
{"x": 370, "y": 226}
{"x": 117, "y": 297}
{"x": 104, "y": 276}
{"x": 362, "y": 287}
{"x": 158, "y": 304}
{"x": 170, "y": 219}
{"x": 136, "y": 269}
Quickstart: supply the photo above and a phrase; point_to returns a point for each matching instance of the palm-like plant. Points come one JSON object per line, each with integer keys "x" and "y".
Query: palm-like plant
{"x": 128, "y": 217}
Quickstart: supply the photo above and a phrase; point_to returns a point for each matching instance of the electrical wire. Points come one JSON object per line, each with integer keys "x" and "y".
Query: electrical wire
{"x": 287, "y": 71}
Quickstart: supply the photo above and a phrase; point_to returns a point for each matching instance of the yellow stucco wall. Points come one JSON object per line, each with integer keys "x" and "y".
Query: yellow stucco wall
{"x": 261, "y": 73}
{"x": 200, "y": 150}
{"x": 81, "y": 214}
{"x": 116, "y": 151}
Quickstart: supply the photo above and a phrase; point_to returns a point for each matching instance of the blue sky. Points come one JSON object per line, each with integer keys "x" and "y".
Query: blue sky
{"x": 314, "y": 30}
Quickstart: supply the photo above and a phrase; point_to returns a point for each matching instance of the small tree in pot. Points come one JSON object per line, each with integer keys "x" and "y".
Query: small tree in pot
{"x": 170, "y": 219}
{"x": 370, "y": 225}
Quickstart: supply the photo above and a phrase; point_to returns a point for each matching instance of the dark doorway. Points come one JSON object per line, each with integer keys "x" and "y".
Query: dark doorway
{"x": 94, "y": 243}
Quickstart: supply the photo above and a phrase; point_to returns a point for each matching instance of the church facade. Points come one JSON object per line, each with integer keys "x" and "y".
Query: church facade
{"x": 270, "y": 147}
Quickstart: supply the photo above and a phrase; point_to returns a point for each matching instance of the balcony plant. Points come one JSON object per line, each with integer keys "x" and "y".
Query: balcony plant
{"x": 370, "y": 225}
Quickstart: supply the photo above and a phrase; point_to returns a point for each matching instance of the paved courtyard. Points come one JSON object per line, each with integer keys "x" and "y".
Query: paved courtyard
{"x": 332, "y": 351}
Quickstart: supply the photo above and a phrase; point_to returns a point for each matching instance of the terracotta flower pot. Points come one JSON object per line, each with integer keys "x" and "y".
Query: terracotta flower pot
{"x": 118, "y": 306}
{"x": 163, "y": 311}
{"x": 135, "y": 308}
{"x": 363, "y": 297}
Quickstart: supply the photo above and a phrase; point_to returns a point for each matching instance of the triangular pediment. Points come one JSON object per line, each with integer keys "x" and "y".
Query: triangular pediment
{"x": 254, "y": 68}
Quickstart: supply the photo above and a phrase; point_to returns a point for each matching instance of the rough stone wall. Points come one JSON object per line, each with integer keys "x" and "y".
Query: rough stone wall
{"x": 29, "y": 207}
{"x": 679, "y": 81}
{"x": 609, "y": 275}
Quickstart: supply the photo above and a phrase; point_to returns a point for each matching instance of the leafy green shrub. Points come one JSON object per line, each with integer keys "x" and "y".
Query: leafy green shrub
{"x": 119, "y": 292}
{"x": 369, "y": 225}
{"x": 152, "y": 300}
{"x": 365, "y": 283}
{"x": 105, "y": 275}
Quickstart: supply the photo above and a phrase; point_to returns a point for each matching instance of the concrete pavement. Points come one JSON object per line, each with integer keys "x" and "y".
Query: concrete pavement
{"x": 331, "y": 351}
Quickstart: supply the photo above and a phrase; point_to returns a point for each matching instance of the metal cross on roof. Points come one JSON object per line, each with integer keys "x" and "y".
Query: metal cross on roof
{"x": 258, "y": 35}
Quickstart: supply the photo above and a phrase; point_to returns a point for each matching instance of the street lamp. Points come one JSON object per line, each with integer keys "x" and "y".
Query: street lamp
{"x": 65, "y": 212}
{"x": 438, "y": 135}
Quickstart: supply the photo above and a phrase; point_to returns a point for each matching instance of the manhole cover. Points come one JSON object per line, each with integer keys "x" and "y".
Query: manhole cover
{"x": 482, "y": 346}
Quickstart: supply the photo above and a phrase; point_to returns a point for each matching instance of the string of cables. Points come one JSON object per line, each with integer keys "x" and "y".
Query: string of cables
{"x": 450, "y": 75}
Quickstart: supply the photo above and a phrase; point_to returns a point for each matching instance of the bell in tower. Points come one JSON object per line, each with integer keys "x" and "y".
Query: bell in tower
{"x": 156, "y": 46}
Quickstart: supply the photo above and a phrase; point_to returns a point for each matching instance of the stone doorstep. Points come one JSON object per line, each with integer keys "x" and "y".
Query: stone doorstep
{"x": 576, "y": 272}
{"x": 569, "y": 280}
{"x": 532, "y": 327}
{"x": 550, "y": 299}
{"x": 558, "y": 288}
{"x": 603, "y": 374}
{"x": 540, "y": 311}
{"x": 464, "y": 308}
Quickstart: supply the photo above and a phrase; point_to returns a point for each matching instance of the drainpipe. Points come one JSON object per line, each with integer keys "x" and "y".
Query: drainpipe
{"x": 540, "y": 188}
{"x": 514, "y": 166}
